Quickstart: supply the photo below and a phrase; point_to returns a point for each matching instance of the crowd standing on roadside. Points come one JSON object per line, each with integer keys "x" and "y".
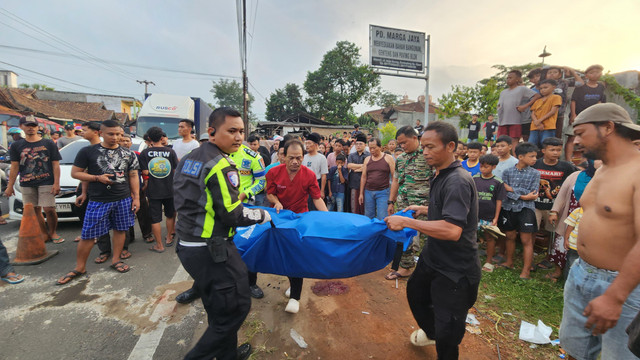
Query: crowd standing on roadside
{"x": 514, "y": 186}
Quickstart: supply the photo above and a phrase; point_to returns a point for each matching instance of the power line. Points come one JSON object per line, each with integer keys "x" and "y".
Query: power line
{"x": 65, "y": 81}
{"x": 254, "y": 88}
{"x": 96, "y": 61}
{"x": 147, "y": 67}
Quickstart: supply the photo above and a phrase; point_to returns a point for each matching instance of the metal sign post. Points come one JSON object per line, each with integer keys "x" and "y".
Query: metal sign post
{"x": 401, "y": 50}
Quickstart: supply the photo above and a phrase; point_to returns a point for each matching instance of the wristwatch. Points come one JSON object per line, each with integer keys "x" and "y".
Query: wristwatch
{"x": 391, "y": 202}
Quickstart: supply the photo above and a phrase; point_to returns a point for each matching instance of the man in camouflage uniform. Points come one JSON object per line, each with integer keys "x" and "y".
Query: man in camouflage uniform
{"x": 410, "y": 187}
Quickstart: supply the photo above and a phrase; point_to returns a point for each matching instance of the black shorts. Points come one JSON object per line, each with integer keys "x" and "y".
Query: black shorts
{"x": 155, "y": 209}
{"x": 526, "y": 129}
{"x": 522, "y": 221}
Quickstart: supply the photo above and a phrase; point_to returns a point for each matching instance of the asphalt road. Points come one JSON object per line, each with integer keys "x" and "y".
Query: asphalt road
{"x": 101, "y": 315}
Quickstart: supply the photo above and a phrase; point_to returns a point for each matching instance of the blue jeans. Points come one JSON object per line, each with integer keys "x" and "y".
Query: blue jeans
{"x": 375, "y": 203}
{"x": 337, "y": 202}
{"x": 5, "y": 265}
{"x": 585, "y": 283}
{"x": 537, "y": 136}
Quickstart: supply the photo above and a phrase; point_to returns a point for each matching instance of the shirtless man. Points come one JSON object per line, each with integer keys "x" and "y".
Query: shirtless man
{"x": 602, "y": 295}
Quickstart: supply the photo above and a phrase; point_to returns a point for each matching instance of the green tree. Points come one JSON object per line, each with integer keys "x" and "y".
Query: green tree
{"x": 341, "y": 82}
{"x": 383, "y": 98}
{"x": 42, "y": 87}
{"x": 284, "y": 102}
{"x": 501, "y": 76}
{"x": 388, "y": 132}
{"x": 229, "y": 93}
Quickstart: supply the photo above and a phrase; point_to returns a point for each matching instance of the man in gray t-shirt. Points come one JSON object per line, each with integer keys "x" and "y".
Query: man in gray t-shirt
{"x": 68, "y": 138}
{"x": 317, "y": 163}
{"x": 511, "y": 106}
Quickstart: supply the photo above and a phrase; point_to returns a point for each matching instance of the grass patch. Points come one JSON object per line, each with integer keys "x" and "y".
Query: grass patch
{"x": 502, "y": 291}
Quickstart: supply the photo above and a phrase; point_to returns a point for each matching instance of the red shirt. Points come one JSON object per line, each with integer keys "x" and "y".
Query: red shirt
{"x": 293, "y": 195}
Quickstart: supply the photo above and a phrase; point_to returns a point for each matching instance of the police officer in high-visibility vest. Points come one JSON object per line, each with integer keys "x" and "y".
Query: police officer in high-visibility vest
{"x": 252, "y": 181}
{"x": 206, "y": 198}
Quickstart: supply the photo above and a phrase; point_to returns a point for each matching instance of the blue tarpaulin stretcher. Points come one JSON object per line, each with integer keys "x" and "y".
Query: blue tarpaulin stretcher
{"x": 320, "y": 245}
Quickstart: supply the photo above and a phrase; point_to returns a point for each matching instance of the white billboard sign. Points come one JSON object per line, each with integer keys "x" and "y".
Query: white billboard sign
{"x": 396, "y": 48}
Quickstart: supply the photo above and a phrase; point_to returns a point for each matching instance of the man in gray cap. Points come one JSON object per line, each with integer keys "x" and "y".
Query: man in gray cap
{"x": 601, "y": 294}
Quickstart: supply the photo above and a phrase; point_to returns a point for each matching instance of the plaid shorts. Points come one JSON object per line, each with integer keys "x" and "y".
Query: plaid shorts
{"x": 102, "y": 217}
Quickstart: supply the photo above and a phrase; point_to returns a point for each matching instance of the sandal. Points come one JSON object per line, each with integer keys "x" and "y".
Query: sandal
{"x": 102, "y": 258}
{"x": 502, "y": 265}
{"x": 3, "y": 221}
{"x": 156, "y": 250}
{"x": 149, "y": 239}
{"x": 13, "y": 279}
{"x": 58, "y": 240}
{"x": 120, "y": 267}
{"x": 488, "y": 267}
{"x": 167, "y": 242}
{"x": 70, "y": 276}
{"x": 125, "y": 254}
{"x": 394, "y": 275}
{"x": 545, "y": 265}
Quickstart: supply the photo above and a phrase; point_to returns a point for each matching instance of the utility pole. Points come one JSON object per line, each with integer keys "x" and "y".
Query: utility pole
{"x": 245, "y": 80}
{"x": 146, "y": 85}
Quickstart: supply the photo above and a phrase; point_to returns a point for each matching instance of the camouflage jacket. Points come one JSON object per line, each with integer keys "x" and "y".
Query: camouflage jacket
{"x": 413, "y": 175}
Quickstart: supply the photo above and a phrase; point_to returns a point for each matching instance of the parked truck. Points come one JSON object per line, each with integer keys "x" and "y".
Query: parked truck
{"x": 166, "y": 111}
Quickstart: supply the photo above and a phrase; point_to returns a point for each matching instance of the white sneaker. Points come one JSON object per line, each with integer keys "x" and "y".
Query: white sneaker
{"x": 293, "y": 306}
{"x": 288, "y": 292}
{"x": 419, "y": 338}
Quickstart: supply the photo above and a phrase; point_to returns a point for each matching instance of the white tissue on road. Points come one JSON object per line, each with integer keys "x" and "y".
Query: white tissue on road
{"x": 537, "y": 334}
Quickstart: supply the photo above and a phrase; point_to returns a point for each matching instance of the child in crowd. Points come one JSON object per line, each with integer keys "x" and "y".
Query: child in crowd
{"x": 398, "y": 151}
{"x": 474, "y": 129}
{"x": 534, "y": 78}
{"x": 544, "y": 113}
{"x": 553, "y": 173}
{"x": 571, "y": 238}
{"x": 491, "y": 193}
{"x": 555, "y": 73}
{"x": 338, "y": 176}
{"x": 513, "y": 106}
{"x": 502, "y": 149}
{"x": 490, "y": 130}
{"x": 584, "y": 96}
{"x": 461, "y": 151}
{"x": 485, "y": 150}
{"x": 472, "y": 164}
{"x": 518, "y": 215}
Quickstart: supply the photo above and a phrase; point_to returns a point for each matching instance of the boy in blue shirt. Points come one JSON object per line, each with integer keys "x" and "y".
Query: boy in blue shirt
{"x": 471, "y": 164}
{"x": 518, "y": 211}
{"x": 338, "y": 176}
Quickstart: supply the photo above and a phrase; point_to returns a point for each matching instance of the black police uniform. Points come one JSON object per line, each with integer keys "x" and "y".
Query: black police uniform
{"x": 206, "y": 198}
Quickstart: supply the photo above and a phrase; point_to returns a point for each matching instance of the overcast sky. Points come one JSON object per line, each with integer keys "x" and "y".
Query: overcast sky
{"x": 288, "y": 38}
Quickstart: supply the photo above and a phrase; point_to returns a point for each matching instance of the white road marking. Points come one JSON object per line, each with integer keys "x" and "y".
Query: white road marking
{"x": 148, "y": 342}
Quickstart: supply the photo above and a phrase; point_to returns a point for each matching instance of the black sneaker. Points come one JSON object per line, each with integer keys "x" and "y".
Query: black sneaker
{"x": 256, "y": 292}
{"x": 244, "y": 351}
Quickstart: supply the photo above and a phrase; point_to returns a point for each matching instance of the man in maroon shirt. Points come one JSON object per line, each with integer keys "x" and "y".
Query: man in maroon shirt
{"x": 288, "y": 187}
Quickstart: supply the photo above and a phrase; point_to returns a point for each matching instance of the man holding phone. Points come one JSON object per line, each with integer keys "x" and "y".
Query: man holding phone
{"x": 112, "y": 174}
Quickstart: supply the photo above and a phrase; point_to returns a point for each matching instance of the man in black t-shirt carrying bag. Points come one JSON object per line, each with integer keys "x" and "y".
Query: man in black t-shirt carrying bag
{"x": 444, "y": 285}
{"x": 37, "y": 160}
{"x": 112, "y": 174}
{"x": 158, "y": 164}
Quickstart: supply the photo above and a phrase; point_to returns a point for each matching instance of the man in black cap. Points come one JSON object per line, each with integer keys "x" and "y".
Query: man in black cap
{"x": 37, "y": 161}
{"x": 68, "y": 138}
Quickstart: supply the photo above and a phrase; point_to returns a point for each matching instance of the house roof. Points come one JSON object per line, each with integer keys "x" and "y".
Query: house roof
{"x": 305, "y": 118}
{"x": 380, "y": 115}
{"x": 26, "y": 100}
{"x": 122, "y": 118}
